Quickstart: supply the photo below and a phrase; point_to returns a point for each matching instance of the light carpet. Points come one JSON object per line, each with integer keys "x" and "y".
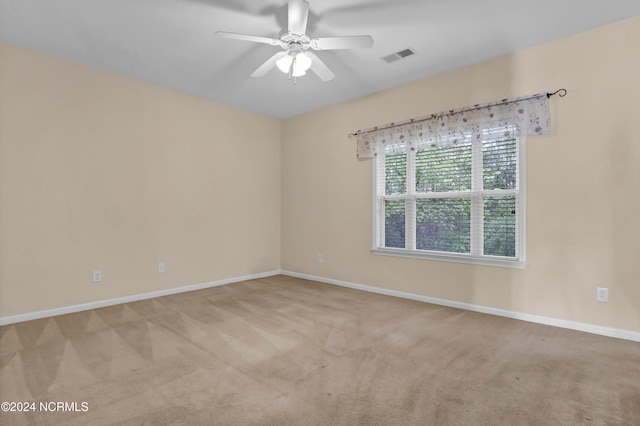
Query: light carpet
{"x": 286, "y": 351}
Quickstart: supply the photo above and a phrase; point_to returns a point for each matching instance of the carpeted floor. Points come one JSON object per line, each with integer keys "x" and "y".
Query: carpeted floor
{"x": 285, "y": 351}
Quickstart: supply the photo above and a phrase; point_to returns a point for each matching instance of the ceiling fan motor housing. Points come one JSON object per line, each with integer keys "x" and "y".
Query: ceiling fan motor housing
{"x": 294, "y": 41}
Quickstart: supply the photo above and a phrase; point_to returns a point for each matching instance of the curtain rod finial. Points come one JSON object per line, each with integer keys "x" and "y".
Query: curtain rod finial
{"x": 561, "y": 92}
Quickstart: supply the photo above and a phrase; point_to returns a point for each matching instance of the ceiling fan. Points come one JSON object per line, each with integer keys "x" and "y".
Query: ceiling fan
{"x": 297, "y": 56}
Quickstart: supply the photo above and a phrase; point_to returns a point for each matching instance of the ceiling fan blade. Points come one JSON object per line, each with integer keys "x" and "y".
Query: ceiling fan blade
{"x": 246, "y": 37}
{"x": 270, "y": 63}
{"x": 319, "y": 67}
{"x": 298, "y": 15}
{"x": 346, "y": 42}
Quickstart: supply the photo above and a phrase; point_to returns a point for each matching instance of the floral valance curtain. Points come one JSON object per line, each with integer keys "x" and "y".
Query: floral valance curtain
{"x": 527, "y": 115}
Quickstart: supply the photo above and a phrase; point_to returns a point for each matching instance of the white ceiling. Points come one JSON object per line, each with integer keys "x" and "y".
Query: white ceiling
{"x": 171, "y": 43}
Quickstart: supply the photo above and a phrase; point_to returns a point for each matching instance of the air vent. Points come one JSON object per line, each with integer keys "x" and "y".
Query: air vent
{"x": 398, "y": 55}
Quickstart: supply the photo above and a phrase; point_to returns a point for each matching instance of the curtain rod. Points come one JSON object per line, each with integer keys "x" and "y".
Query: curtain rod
{"x": 560, "y": 92}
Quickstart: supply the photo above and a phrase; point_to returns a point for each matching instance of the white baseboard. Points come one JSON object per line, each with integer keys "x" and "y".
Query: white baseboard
{"x": 134, "y": 298}
{"x": 572, "y": 325}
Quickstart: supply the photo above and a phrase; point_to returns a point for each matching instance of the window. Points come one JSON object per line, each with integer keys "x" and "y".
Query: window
{"x": 461, "y": 201}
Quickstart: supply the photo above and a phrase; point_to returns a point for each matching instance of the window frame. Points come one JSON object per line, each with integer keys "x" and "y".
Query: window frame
{"x": 476, "y": 243}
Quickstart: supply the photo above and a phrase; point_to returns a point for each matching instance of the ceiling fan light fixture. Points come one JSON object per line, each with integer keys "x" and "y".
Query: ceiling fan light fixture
{"x": 301, "y": 63}
{"x": 296, "y": 63}
{"x": 284, "y": 63}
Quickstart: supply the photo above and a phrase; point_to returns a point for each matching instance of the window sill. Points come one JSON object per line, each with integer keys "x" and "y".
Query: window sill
{"x": 451, "y": 257}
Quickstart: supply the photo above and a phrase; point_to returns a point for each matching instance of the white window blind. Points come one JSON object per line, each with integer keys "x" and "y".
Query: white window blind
{"x": 460, "y": 201}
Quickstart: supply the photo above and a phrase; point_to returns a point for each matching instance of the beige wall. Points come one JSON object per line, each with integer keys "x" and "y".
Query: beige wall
{"x": 583, "y": 184}
{"x": 98, "y": 171}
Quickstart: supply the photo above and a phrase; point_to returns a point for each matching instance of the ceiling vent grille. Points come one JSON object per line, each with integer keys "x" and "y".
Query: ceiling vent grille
{"x": 398, "y": 55}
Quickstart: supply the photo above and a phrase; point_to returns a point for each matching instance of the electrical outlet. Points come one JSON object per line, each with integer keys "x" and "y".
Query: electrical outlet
{"x": 161, "y": 267}
{"x": 96, "y": 276}
{"x": 602, "y": 294}
{"x": 319, "y": 258}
